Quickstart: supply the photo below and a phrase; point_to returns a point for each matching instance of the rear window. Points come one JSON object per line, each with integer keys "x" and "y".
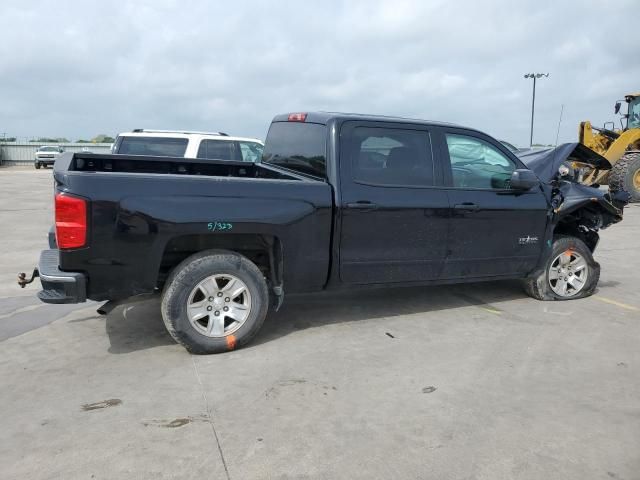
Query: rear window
{"x": 297, "y": 146}
{"x": 219, "y": 150}
{"x": 154, "y": 146}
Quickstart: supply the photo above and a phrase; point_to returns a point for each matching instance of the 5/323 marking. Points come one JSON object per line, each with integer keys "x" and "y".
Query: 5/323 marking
{"x": 219, "y": 226}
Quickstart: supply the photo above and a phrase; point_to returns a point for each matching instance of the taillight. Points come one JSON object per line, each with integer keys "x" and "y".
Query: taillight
{"x": 71, "y": 221}
{"x": 297, "y": 117}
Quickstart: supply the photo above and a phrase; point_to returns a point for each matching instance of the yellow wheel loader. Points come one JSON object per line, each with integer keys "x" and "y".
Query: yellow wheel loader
{"x": 620, "y": 146}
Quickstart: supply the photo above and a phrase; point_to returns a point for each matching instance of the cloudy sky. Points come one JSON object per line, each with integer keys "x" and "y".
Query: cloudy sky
{"x": 78, "y": 68}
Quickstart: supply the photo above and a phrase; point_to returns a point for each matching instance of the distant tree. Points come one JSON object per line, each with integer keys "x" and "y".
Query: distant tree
{"x": 8, "y": 139}
{"x": 102, "y": 138}
{"x": 50, "y": 140}
{"x": 83, "y": 141}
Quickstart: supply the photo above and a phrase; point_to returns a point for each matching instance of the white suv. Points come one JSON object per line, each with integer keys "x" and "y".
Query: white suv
{"x": 167, "y": 143}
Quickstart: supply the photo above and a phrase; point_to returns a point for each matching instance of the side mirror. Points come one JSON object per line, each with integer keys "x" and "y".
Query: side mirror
{"x": 617, "y": 107}
{"x": 523, "y": 179}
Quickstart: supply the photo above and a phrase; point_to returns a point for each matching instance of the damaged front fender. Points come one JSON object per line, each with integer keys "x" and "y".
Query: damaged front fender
{"x": 581, "y": 211}
{"x": 571, "y": 196}
{"x": 576, "y": 206}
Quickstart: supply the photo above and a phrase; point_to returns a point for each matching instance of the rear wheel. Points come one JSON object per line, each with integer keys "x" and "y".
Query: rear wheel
{"x": 214, "y": 301}
{"x": 570, "y": 272}
{"x": 625, "y": 175}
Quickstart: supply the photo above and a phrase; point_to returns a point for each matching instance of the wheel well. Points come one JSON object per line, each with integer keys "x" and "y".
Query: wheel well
{"x": 263, "y": 250}
{"x": 582, "y": 224}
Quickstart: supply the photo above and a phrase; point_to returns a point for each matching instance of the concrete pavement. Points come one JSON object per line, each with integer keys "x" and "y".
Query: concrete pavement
{"x": 470, "y": 381}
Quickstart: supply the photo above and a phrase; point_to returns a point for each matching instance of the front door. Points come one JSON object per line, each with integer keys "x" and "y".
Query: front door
{"x": 394, "y": 215}
{"x": 494, "y": 230}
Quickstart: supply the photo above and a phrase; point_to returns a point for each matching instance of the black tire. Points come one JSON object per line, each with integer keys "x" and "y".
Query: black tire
{"x": 622, "y": 174}
{"x": 539, "y": 286}
{"x": 37, "y": 165}
{"x": 187, "y": 275}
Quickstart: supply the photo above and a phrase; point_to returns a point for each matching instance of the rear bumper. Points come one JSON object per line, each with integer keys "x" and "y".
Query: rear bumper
{"x": 59, "y": 286}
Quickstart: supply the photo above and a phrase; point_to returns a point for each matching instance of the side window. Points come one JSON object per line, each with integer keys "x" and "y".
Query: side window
{"x": 155, "y": 146}
{"x": 251, "y": 151}
{"x": 477, "y": 164}
{"x": 391, "y": 157}
{"x": 218, "y": 150}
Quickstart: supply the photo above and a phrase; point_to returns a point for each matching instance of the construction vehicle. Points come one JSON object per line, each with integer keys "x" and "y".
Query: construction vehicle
{"x": 621, "y": 147}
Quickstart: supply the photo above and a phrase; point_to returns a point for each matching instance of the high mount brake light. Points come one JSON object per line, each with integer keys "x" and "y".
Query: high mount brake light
{"x": 71, "y": 221}
{"x": 297, "y": 117}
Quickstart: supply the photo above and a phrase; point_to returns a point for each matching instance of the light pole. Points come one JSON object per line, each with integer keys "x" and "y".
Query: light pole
{"x": 533, "y": 101}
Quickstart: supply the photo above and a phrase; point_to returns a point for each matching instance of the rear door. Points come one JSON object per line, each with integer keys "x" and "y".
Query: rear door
{"x": 494, "y": 230}
{"x": 394, "y": 210}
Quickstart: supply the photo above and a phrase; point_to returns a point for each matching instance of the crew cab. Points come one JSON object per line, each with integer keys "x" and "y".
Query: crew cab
{"x": 339, "y": 201}
{"x": 190, "y": 144}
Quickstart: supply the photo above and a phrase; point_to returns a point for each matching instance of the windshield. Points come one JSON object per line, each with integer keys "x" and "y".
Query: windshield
{"x": 48, "y": 149}
{"x": 510, "y": 146}
{"x": 251, "y": 151}
{"x": 634, "y": 113}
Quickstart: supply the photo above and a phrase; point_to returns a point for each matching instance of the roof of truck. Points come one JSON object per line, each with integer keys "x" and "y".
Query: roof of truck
{"x": 325, "y": 117}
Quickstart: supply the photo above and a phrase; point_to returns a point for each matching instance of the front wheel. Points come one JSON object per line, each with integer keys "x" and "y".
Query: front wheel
{"x": 37, "y": 165}
{"x": 570, "y": 272}
{"x": 214, "y": 301}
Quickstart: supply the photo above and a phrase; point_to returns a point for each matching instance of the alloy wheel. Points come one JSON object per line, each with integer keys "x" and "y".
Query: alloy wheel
{"x": 219, "y": 305}
{"x": 568, "y": 273}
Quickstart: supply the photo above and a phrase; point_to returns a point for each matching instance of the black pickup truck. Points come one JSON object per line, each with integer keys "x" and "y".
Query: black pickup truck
{"x": 339, "y": 201}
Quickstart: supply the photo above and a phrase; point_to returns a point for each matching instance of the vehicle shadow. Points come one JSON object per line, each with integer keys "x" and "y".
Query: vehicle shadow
{"x": 139, "y": 326}
{"x": 300, "y": 312}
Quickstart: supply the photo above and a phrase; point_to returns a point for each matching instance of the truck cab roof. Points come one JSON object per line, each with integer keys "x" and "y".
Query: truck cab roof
{"x": 326, "y": 117}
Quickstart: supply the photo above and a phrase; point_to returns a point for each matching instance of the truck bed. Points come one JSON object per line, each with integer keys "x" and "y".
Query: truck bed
{"x": 146, "y": 214}
{"x": 91, "y": 162}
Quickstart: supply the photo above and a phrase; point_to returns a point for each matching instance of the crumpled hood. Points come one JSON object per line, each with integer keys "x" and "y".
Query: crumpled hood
{"x": 546, "y": 161}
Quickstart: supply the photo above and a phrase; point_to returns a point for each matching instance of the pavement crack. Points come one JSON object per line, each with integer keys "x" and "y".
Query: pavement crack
{"x": 210, "y": 418}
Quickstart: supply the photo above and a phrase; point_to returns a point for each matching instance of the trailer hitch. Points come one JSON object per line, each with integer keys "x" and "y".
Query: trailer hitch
{"x": 22, "y": 278}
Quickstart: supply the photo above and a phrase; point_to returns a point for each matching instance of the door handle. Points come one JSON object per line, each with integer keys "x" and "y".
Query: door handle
{"x": 362, "y": 205}
{"x": 472, "y": 207}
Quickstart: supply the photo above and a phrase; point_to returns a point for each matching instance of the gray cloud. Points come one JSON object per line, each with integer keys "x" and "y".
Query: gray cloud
{"x": 76, "y": 68}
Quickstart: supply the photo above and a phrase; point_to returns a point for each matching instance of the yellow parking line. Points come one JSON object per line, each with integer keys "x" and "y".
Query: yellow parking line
{"x": 491, "y": 310}
{"x": 617, "y": 304}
